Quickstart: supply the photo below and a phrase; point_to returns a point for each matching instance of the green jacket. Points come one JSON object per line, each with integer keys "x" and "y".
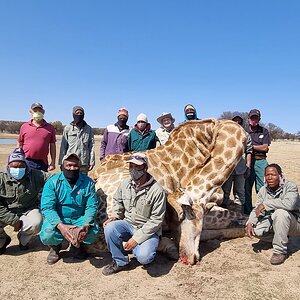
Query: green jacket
{"x": 285, "y": 197}
{"x": 144, "y": 209}
{"x": 17, "y": 197}
{"x": 80, "y": 141}
{"x": 141, "y": 142}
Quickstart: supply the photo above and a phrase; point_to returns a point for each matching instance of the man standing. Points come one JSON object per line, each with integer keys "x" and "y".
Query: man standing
{"x": 78, "y": 138}
{"x": 19, "y": 189}
{"x": 138, "y": 211}
{"x": 142, "y": 137}
{"x": 239, "y": 174}
{"x": 69, "y": 207}
{"x": 166, "y": 121}
{"x": 260, "y": 142}
{"x": 36, "y": 138}
{"x": 115, "y": 137}
{"x": 190, "y": 113}
{"x": 276, "y": 215}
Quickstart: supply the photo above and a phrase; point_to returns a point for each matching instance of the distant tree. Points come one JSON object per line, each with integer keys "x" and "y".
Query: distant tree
{"x": 98, "y": 131}
{"x": 59, "y": 127}
{"x": 275, "y": 131}
{"x": 298, "y": 135}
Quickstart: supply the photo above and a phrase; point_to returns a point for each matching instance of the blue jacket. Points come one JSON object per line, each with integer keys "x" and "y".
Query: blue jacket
{"x": 61, "y": 203}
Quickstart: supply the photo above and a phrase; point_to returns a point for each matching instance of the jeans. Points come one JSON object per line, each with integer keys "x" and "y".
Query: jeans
{"x": 120, "y": 231}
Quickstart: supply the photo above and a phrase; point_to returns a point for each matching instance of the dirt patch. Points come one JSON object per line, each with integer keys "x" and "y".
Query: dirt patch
{"x": 235, "y": 269}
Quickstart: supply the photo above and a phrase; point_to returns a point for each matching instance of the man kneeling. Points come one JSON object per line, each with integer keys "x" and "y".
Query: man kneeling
{"x": 277, "y": 213}
{"x": 138, "y": 211}
{"x": 69, "y": 207}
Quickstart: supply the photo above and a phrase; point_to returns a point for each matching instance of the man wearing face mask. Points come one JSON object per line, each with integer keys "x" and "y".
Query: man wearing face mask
{"x": 69, "y": 206}
{"x": 115, "y": 136}
{"x": 261, "y": 141}
{"x": 36, "y": 138}
{"x": 138, "y": 211}
{"x": 190, "y": 113}
{"x": 78, "y": 137}
{"x": 19, "y": 189}
{"x": 142, "y": 137}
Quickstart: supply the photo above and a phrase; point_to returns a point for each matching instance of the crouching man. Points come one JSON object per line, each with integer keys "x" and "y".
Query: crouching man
{"x": 277, "y": 213}
{"x": 69, "y": 207}
{"x": 19, "y": 189}
{"x": 138, "y": 211}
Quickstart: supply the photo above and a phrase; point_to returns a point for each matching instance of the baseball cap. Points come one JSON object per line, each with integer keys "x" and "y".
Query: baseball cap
{"x": 254, "y": 112}
{"x": 68, "y": 155}
{"x": 138, "y": 159}
{"x": 17, "y": 155}
{"x": 37, "y": 105}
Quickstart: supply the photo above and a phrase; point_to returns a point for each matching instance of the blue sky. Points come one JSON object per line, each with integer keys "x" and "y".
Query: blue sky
{"x": 152, "y": 57}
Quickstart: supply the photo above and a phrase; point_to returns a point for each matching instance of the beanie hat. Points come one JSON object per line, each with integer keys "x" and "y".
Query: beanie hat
{"x": 75, "y": 108}
{"x": 123, "y": 111}
{"x": 17, "y": 155}
{"x": 142, "y": 117}
{"x": 189, "y": 106}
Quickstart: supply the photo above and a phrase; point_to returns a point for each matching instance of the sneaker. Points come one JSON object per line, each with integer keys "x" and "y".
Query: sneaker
{"x": 277, "y": 259}
{"x": 113, "y": 268}
{"x": 53, "y": 255}
{"x": 78, "y": 253}
{"x": 7, "y": 242}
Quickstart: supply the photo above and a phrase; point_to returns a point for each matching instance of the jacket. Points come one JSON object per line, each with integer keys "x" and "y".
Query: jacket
{"x": 138, "y": 141}
{"x": 144, "y": 209}
{"x": 285, "y": 197}
{"x": 61, "y": 203}
{"x": 114, "y": 140}
{"x": 80, "y": 141}
{"x": 19, "y": 196}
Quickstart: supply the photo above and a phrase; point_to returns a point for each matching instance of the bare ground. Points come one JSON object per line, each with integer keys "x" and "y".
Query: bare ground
{"x": 234, "y": 269}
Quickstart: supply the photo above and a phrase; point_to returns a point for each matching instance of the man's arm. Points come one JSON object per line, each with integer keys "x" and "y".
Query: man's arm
{"x": 92, "y": 150}
{"x": 288, "y": 202}
{"x": 261, "y": 148}
{"x": 52, "y": 156}
{"x": 155, "y": 221}
{"x": 48, "y": 203}
{"x": 63, "y": 146}
{"x": 103, "y": 143}
{"x": 118, "y": 208}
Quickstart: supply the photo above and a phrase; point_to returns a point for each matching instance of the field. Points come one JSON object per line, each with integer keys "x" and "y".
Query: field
{"x": 234, "y": 269}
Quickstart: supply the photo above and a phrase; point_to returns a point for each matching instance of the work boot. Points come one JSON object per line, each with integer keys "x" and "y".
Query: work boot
{"x": 53, "y": 255}
{"x": 113, "y": 268}
{"x": 23, "y": 247}
{"x": 277, "y": 259}
{"x": 7, "y": 242}
{"x": 78, "y": 253}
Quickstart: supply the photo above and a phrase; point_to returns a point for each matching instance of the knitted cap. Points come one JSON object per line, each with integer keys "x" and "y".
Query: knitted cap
{"x": 17, "y": 155}
{"x": 75, "y": 108}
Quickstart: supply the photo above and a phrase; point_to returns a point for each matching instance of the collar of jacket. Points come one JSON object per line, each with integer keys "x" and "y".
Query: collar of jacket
{"x": 121, "y": 128}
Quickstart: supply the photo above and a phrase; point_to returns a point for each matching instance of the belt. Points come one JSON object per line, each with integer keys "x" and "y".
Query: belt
{"x": 258, "y": 157}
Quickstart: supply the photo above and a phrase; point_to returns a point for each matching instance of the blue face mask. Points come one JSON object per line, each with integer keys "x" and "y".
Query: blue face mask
{"x": 17, "y": 173}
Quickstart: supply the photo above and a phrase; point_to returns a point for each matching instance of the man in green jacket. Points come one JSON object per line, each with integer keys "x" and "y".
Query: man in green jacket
{"x": 138, "y": 211}
{"x": 277, "y": 213}
{"x": 19, "y": 189}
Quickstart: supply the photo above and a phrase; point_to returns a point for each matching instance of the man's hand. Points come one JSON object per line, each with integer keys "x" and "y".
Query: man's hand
{"x": 18, "y": 225}
{"x": 250, "y": 230}
{"x": 51, "y": 167}
{"x": 65, "y": 231}
{"x": 130, "y": 244}
{"x": 91, "y": 168}
{"x": 109, "y": 220}
{"x": 259, "y": 209}
{"x": 247, "y": 173}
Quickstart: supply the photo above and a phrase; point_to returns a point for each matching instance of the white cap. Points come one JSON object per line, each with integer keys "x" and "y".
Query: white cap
{"x": 142, "y": 117}
{"x": 138, "y": 159}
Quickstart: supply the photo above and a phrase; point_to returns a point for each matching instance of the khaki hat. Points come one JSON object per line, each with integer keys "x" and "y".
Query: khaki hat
{"x": 138, "y": 159}
{"x": 165, "y": 115}
{"x": 68, "y": 155}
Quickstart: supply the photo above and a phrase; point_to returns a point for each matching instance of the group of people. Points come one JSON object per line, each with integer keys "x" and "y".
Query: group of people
{"x": 68, "y": 203}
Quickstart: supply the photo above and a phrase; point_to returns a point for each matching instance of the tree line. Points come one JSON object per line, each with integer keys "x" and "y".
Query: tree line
{"x": 275, "y": 131}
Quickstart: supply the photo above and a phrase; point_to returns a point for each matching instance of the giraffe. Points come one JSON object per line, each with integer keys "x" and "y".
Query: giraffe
{"x": 196, "y": 160}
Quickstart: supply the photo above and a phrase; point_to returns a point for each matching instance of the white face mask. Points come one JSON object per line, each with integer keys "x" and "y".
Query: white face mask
{"x": 17, "y": 173}
{"x": 37, "y": 116}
